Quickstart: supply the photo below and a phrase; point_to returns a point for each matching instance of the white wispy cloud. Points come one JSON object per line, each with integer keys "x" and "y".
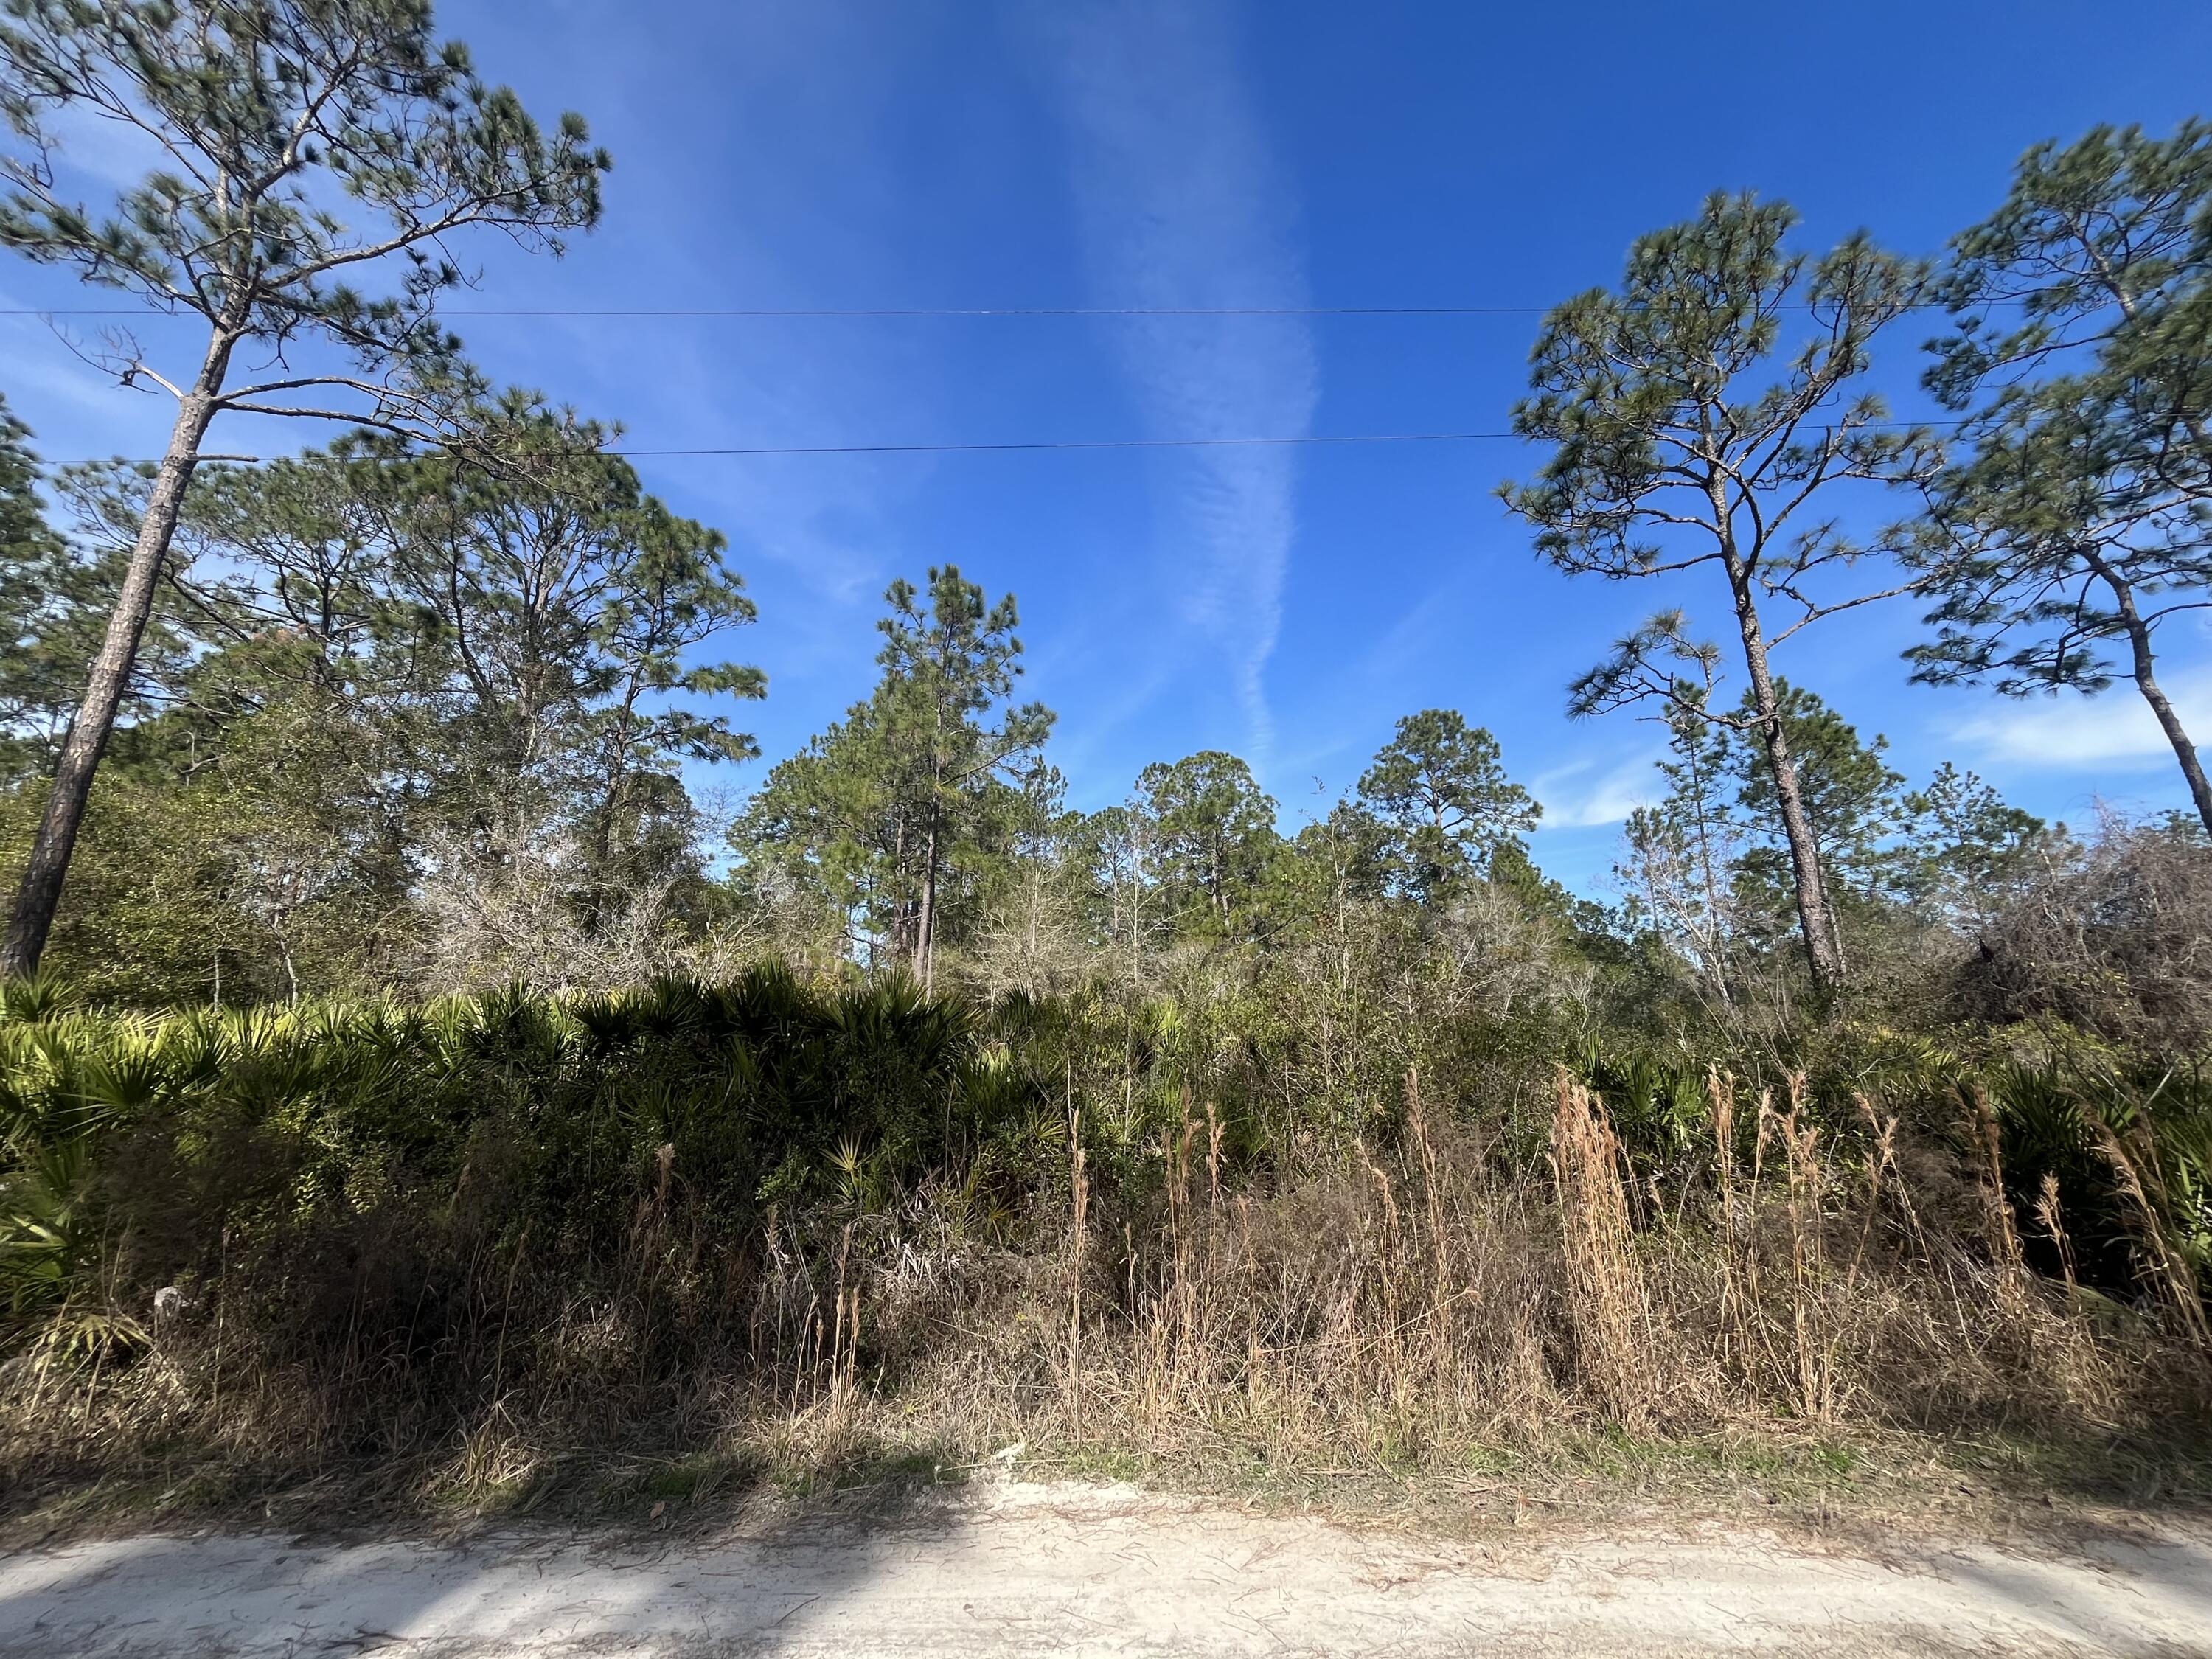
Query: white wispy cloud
{"x": 1181, "y": 204}
{"x": 1585, "y": 793}
{"x": 2067, "y": 733}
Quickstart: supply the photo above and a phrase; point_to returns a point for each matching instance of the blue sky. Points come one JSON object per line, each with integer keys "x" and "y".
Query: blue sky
{"x": 1286, "y": 603}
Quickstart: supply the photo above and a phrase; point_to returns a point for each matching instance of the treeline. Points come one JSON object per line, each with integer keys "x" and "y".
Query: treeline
{"x": 426, "y": 718}
{"x": 421, "y": 722}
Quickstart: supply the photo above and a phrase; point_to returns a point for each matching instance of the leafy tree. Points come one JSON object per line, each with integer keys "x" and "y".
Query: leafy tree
{"x": 1704, "y": 868}
{"x": 2078, "y": 520}
{"x": 1212, "y": 831}
{"x": 1584, "y": 923}
{"x": 828, "y": 824}
{"x": 1440, "y": 788}
{"x": 1351, "y": 851}
{"x": 506, "y": 640}
{"x": 1117, "y": 850}
{"x": 404, "y": 668}
{"x": 918, "y": 786}
{"x": 41, "y": 594}
{"x": 1667, "y": 457}
{"x": 23, "y": 528}
{"x": 1034, "y": 933}
{"x": 270, "y": 116}
{"x": 1968, "y": 851}
{"x": 555, "y": 609}
{"x": 945, "y": 669}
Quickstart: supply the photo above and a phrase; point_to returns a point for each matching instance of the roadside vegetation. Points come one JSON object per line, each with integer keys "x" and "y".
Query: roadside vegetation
{"x": 425, "y": 1087}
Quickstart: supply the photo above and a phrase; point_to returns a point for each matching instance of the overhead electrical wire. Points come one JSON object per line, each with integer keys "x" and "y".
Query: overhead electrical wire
{"x": 992, "y": 447}
{"x": 863, "y": 312}
{"x": 1081, "y": 443}
{"x": 1011, "y": 446}
{"x": 1015, "y": 445}
{"x": 880, "y": 311}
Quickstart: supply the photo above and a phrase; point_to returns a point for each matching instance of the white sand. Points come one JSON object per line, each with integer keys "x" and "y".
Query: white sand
{"x": 1031, "y": 1570}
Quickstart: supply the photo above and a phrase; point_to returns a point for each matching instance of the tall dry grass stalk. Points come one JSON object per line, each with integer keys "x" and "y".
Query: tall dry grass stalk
{"x": 1813, "y": 1348}
{"x": 1605, "y": 1286}
{"x": 2163, "y": 1263}
{"x": 1079, "y": 1235}
{"x": 2054, "y": 1229}
{"x": 2004, "y": 1238}
{"x": 1387, "y": 1310}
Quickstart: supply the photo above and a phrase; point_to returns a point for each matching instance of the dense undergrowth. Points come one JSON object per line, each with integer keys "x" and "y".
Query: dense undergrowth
{"x": 457, "y": 1248}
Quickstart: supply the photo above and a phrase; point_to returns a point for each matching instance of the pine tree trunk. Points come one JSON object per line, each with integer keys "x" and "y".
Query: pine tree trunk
{"x": 901, "y": 917}
{"x": 1815, "y": 918}
{"x": 2146, "y": 679}
{"x": 926, "y": 945}
{"x": 40, "y": 895}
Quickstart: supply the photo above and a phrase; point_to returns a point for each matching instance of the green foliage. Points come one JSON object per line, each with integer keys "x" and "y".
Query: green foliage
{"x": 1707, "y": 869}
{"x": 554, "y": 1116}
{"x": 895, "y": 817}
{"x": 1638, "y": 393}
{"x": 2078, "y": 515}
{"x": 57, "y": 595}
{"x": 272, "y": 114}
{"x": 1211, "y": 829}
{"x": 423, "y": 717}
{"x": 527, "y": 616}
{"x": 376, "y": 667}
{"x": 2104, "y": 1133}
{"x": 274, "y": 1136}
{"x": 272, "y": 125}
{"x": 285, "y": 1143}
{"x": 1657, "y": 1103}
{"x": 1854, "y": 798}
{"x": 1854, "y": 805}
{"x": 1440, "y": 787}
{"x": 1970, "y": 853}
{"x": 23, "y": 527}
{"x": 1683, "y": 436}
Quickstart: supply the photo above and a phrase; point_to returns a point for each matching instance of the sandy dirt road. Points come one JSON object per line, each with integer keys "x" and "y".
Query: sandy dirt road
{"x": 1037, "y": 1570}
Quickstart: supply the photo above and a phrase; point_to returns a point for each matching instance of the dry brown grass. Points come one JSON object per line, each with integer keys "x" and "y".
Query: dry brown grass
{"x": 1403, "y": 1312}
{"x": 1397, "y": 1315}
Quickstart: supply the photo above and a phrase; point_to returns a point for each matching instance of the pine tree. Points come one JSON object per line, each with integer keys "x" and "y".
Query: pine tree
{"x": 1853, "y": 801}
{"x": 2077, "y": 523}
{"x": 1439, "y": 786}
{"x": 1212, "y": 831}
{"x": 1968, "y": 852}
{"x": 1665, "y": 461}
{"x": 907, "y": 798}
{"x": 44, "y": 594}
{"x": 271, "y": 116}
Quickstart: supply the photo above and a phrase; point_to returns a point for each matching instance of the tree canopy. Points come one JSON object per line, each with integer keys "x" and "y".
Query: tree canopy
{"x": 2076, "y": 524}
{"x": 305, "y": 146}
{"x": 1688, "y": 428}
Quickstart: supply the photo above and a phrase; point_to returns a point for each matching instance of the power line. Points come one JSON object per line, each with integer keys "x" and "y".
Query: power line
{"x": 1287, "y": 439}
{"x": 862, "y": 312}
{"x": 1018, "y": 444}
{"x": 1082, "y": 443}
{"x": 988, "y": 448}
